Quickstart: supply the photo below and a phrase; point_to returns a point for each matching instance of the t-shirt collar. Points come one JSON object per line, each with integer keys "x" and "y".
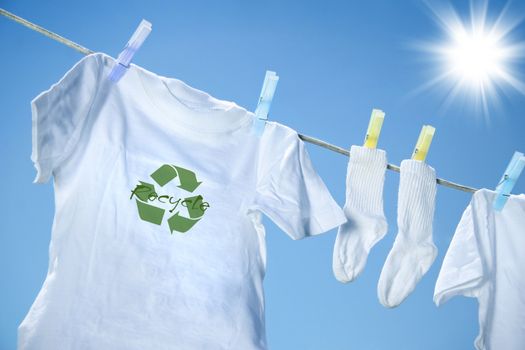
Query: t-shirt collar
{"x": 188, "y": 107}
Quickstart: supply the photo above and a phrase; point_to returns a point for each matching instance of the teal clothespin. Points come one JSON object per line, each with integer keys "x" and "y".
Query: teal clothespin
{"x": 265, "y": 101}
{"x": 124, "y": 58}
{"x": 509, "y": 178}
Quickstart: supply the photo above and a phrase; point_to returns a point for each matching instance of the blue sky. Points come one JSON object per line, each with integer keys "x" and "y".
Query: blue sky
{"x": 336, "y": 61}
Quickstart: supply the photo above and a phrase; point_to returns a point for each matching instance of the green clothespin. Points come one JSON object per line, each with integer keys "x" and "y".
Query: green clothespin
{"x": 374, "y": 128}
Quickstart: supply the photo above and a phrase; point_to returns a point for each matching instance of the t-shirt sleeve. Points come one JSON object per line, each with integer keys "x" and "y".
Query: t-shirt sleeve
{"x": 289, "y": 191}
{"x": 58, "y": 114}
{"x": 462, "y": 272}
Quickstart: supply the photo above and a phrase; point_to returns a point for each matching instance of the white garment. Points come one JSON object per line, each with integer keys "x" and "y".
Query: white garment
{"x": 486, "y": 260}
{"x": 413, "y": 251}
{"x": 177, "y": 262}
{"x": 366, "y": 223}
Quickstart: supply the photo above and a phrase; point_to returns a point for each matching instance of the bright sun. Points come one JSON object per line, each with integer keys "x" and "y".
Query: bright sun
{"x": 477, "y": 58}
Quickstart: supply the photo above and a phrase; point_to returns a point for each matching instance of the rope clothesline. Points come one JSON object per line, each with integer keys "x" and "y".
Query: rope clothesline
{"x": 305, "y": 138}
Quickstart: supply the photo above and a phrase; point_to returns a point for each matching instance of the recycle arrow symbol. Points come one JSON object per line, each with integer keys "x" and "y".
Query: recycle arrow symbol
{"x": 162, "y": 176}
{"x": 183, "y": 224}
{"x": 167, "y": 172}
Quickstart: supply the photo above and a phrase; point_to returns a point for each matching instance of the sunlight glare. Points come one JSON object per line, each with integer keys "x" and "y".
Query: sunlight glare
{"x": 478, "y": 58}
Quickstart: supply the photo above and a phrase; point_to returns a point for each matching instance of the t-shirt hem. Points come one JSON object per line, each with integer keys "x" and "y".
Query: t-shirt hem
{"x": 325, "y": 221}
{"x": 466, "y": 288}
{"x": 43, "y": 172}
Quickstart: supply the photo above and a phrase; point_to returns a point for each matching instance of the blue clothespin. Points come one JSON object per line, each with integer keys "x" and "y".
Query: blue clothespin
{"x": 509, "y": 178}
{"x": 133, "y": 45}
{"x": 265, "y": 101}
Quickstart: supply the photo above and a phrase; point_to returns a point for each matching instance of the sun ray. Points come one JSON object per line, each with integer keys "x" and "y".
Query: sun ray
{"x": 478, "y": 58}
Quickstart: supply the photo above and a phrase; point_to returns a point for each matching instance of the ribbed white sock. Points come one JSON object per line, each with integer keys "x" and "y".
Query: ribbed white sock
{"x": 366, "y": 223}
{"x": 413, "y": 251}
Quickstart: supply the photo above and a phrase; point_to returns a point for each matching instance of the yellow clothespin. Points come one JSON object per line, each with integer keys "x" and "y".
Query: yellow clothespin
{"x": 423, "y": 143}
{"x": 374, "y": 128}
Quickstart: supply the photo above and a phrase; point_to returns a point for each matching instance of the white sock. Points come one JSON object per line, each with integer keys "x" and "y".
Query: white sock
{"x": 413, "y": 251}
{"x": 366, "y": 223}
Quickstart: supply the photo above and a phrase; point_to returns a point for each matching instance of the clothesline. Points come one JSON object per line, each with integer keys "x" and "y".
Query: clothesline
{"x": 305, "y": 138}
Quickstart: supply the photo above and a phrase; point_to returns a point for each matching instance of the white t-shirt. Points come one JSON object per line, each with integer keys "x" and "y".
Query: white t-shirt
{"x": 157, "y": 240}
{"x": 486, "y": 260}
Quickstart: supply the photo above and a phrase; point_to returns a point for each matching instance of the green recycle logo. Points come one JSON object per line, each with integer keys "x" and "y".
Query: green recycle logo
{"x": 146, "y": 192}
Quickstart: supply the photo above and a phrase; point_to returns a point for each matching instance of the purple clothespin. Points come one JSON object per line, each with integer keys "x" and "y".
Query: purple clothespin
{"x": 133, "y": 45}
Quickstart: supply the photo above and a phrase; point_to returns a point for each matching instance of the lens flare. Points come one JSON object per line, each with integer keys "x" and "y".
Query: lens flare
{"x": 477, "y": 59}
